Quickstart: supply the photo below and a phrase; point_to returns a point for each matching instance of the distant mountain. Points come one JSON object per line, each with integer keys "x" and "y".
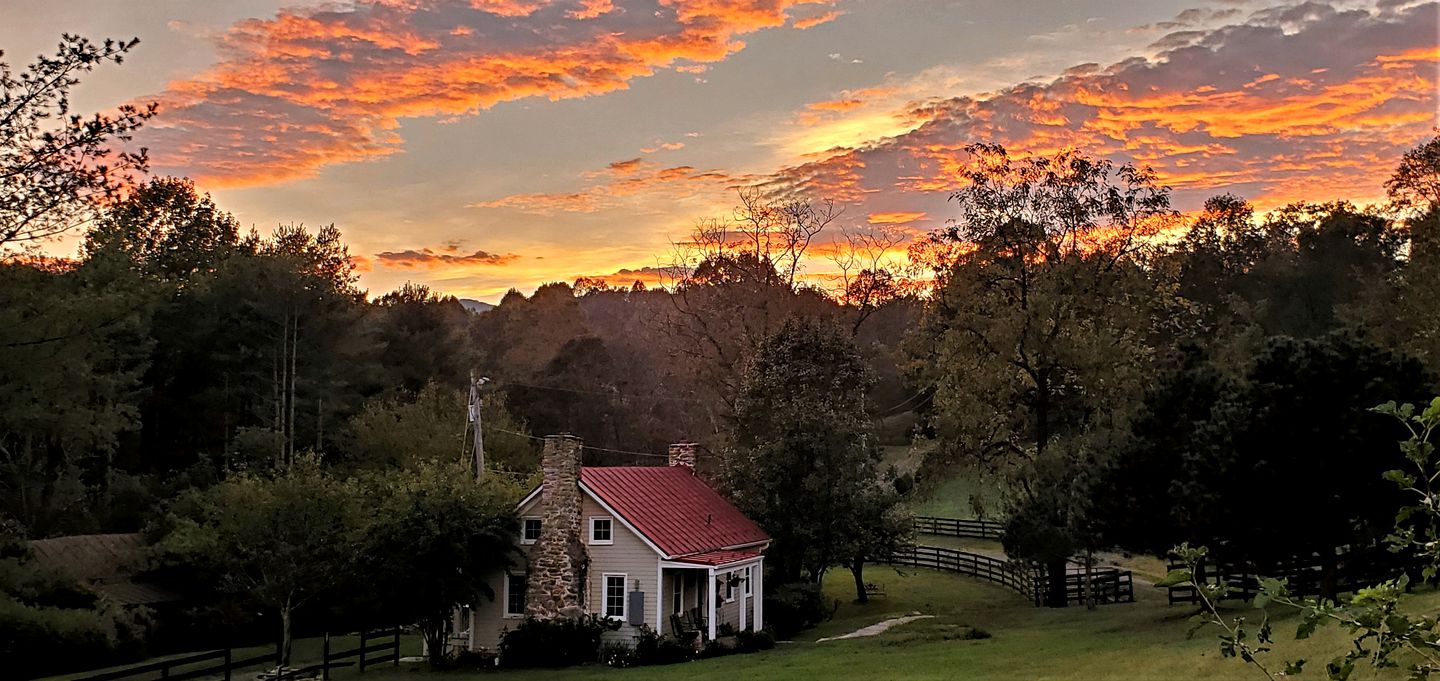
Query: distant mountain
{"x": 476, "y": 306}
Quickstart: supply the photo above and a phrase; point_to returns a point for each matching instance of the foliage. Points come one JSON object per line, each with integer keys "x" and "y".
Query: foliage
{"x": 804, "y": 464}
{"x": 282, "y": 542}
{"x": 436, "y": 532}
{"x": 1382, "y": 634}
{"x": 1211, "y": 454}
{"x": 558, "y": 642}
{"x": 50, "y": 623}
{"x": 749, "y": 641}
{"x": 795, "y": 607}
{"x": 58, "y": 168}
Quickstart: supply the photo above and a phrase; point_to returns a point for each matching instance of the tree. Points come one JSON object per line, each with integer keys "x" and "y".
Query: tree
{"x": 1040, "y": 328}
{"x": 402, "y": 431}
{"x": 1038, "y": 322}
{"x": 803, "y": 463}
{"x": 1279, "y": 462}
{"x": 57, "y": 168}
{"x": 437, "y": 532}
{"x": 282, "y": 542}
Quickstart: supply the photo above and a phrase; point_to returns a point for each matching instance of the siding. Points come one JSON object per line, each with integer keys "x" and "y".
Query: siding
{"x": 628, "y": 555}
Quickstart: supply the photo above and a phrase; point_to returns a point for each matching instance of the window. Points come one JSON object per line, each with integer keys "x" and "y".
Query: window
{"x": 729, "y": 587}
{"x": 515, "y": 595}
{"x": 531, "y": 533}
{"x": 600, "y": 531}
{"x": 748, "y": 575}
{"x": 615, "y": 596}
{"x": 678, "y": 601}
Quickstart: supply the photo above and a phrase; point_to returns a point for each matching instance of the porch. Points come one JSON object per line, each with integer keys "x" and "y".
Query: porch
{"x": 703, "y": 593}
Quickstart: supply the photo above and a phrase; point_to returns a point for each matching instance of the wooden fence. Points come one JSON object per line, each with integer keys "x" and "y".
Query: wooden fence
{"x": 1110, "y": 585}
{"x": 1345, "y": 571}
{"x": 959, "y": 527}
{"x": 224, "y": 664}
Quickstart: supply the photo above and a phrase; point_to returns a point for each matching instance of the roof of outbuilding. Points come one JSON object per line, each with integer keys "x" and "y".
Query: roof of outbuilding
{"x": 675, "y": 510}
{"x": 104, "y": 562}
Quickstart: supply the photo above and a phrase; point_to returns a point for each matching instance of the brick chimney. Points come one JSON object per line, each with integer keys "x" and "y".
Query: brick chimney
{"x": 683, "y": 454}
{"x": 558, "y": 561}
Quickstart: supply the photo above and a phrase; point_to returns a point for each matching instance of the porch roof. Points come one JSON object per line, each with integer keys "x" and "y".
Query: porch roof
{"x": 719, "y": 558}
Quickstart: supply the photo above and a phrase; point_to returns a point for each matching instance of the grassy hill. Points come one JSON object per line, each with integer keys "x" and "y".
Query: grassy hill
{"x": 1140, "y": 641}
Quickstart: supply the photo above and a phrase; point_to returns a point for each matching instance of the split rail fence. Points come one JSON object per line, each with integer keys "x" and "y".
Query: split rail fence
{"x": 1108, "y": 584}
{"x": 223, "y": 663}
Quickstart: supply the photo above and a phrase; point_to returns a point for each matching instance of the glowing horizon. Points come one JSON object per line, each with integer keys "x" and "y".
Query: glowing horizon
{"x": 482, "y": 145}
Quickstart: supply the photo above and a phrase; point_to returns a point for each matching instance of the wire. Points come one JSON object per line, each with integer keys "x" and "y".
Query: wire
{"x": 582, "y": 446}
{"x": 603, "y": 393}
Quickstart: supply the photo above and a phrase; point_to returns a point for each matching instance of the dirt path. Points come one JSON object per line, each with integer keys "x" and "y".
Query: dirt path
{"x": 877, "y": 628}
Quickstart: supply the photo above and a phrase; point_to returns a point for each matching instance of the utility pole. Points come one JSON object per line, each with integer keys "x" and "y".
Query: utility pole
{"x": 477, "y": 461}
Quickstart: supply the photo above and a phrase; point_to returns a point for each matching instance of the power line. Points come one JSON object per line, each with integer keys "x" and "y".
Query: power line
{"x": 582, "y": 446}
{"x": 603, "y": 393}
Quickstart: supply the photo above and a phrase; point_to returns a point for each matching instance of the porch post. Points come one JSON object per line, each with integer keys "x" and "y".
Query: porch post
{"x": 743, "y": 604}
{"x": 758, "y": 573}
{"x": 471, "y": 644}
{"x": 659, "y": 599}
{"x": 710, "y": 598}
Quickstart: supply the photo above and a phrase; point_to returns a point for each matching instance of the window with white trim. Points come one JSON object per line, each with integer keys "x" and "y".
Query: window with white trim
{"x": 730, "y": 587}
{"x": 602, "y": 530}
{"x": 748, "y": 575}
{"x": 678, "y": 600}
{"x": 515, "y": 586}
{"x": 530, "y": 532}
{"x": 614, "y": 596}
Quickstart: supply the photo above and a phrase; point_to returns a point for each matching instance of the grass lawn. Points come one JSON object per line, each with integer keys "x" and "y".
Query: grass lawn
{"x": 1144, "y": 640}
{"x": 952, "y": 498}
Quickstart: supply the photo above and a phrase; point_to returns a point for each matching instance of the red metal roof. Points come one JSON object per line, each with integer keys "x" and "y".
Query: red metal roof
{"x": 719, "y": 557}
{"x": 672, "y": 508}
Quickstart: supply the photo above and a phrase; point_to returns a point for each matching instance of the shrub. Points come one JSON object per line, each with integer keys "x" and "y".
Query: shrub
{"x": 617, "y": 654}
{"x": 560, "y": 642}
{"x": 752, "y": 641}
{"x": 795, "y": 607}
{"x": 671, "y": 650}
{"x": 39, "y": 641}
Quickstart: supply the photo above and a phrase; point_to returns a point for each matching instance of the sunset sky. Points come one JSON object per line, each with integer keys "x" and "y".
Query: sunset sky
{"x": 479, "y": 145}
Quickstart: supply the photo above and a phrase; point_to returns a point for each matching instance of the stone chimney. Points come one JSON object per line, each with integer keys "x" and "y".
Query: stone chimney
{"x": 683, "y": 454}
{"x": 559, "y": 560}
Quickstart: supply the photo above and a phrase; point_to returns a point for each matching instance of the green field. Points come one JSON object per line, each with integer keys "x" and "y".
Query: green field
{"x": 1144, "y": 640}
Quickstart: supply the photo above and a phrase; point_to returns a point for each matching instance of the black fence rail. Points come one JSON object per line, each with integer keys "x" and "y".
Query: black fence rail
{"x": 224, "y": 664}
{"x": 959, "y": 527}
{"x": 1346, "y": 570}
{"x": 1107, "y": 584}
{"x": 1007, "y": 573}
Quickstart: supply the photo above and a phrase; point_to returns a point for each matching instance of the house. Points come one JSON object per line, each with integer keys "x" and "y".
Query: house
{"x": 637, "y": 544}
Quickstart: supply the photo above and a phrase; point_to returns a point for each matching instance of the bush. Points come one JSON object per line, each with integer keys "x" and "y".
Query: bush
{"x": 560, "y": 642}
{"x": 795, "y": 607}
{"x": 617, "y": 654}
{"x": 40, "y": 641}
{"x": 753, "y": 641}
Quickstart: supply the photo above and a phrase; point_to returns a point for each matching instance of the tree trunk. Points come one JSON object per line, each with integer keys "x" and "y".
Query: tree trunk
{"x": 857, "y": 568}
{"x": 284, "y": 634}
{"x": 1089, "y": 579}
{"x": 1056, "y": 598}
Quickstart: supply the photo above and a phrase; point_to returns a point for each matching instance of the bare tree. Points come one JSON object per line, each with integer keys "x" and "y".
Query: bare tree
{"x": 57, "y": 168}
{"x": 869, "y": 275}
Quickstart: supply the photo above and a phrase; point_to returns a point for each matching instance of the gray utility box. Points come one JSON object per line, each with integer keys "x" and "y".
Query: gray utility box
{"x": 635, "y": 610}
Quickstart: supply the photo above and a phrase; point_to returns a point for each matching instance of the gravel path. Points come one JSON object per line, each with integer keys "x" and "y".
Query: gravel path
{"x": 877, "y": 628}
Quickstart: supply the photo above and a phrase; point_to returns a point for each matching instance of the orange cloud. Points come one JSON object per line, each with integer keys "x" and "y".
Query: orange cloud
{"x": 313, "y": 87}
{"x": 627, "y": 178}
{"x": 426, "y": 258}
{"x": 1313, "y": 103}
{"x": 895, "y": 218}
{"x": 811, "y": 22}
